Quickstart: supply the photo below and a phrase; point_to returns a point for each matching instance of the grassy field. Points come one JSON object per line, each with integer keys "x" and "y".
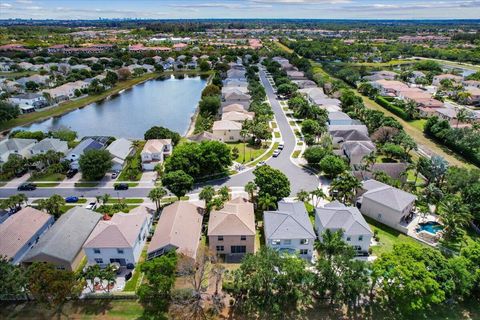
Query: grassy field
{"x": 49, "y": 178}
{"x": 250, "y": 153}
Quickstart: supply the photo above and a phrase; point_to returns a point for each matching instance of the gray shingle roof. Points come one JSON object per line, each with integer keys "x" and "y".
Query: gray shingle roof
{"x": 336, "y": 216}
{"x": 66, "y": 237}
{"x": 289, "y": 222}
{"x": 387, "y": 195}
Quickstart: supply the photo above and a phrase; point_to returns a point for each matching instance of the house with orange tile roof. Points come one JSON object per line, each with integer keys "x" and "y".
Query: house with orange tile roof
{"x": 154, "y": 152}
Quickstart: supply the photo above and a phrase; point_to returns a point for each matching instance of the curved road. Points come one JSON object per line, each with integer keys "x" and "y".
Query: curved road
{"x": 299, "y": 177}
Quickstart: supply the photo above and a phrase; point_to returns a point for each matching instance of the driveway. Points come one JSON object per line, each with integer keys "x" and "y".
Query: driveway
{"x": 299, "y": 177}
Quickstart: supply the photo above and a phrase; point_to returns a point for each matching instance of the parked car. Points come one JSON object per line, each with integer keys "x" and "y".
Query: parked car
{"x": 121, "y": 186}
{"x": 115, "y": 174}
{"x": 91, "y": 206}
{"x": 276, "y": 153}
{"x": 27, "y": 187}
{"x": 71, "y": 199}
{"x": 281, "y": 145}
{"x": 261, "y": 163}
{"x": 128, "y": 276}
{"x": 71, "y": 173}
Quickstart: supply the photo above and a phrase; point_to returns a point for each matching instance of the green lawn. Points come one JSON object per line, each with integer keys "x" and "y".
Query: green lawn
{"x": 296, "y": 153}
{"x": 267, "y": 155}
{"x": 48, "y": 177}
{"x": 388, "y": 237}
{"x": 85, "y": 184}
{"x": 131, "y": 284}
{"x": 419, "y": 124}
{"x": 274, "y": 125}
{"x": 125, "y": 200}
{"x": 277, "y": 134}
{"x": 133, "y": 162}
{"x": 251, "y": 153}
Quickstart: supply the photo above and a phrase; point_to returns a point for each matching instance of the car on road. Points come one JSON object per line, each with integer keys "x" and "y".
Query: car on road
{"x": 115, "y": 174}
{"x": 121, "y": 186}
{"x": 71, "y": 199}
{"x": 91, "y": 206}
{"x": 281, "y": 145}
{"x": 27, "y": 187}
{"x": 71, "y": 173}
{"x": 276, "y": 153}
{"x": 261, "y": 163}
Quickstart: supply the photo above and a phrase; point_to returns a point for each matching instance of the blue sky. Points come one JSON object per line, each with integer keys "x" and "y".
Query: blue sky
{"x": 167, "y": 9}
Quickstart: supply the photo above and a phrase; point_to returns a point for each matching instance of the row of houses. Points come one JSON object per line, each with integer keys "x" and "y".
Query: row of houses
{"x": 27, "y": 148}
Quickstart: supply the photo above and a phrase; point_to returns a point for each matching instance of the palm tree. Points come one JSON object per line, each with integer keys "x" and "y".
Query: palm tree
{"x": 156, "y": 195}
{"x": 266, "y": 201}
{"x": 244, "y": 134}
{"x": 331, "y": 243}
{"x": 316, "y": 196}
{"x": 462, "y": 115}
{"x": 105, "y": 198}
{"x": 411, "y": 109}
{"x": 224, "y": 193}
{"x": 345, "y": 186}
{"x": 302, "y": 195}
{"x": 250, "y": 188}
{"x": 455, "y": 216}
{"x": 207, "y": 194}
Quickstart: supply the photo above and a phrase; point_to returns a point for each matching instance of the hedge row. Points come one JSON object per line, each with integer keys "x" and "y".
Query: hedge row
{"x": 390, "y": 107}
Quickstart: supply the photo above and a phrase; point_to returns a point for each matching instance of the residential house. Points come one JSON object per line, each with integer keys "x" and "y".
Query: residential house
{"x": 393, "y": 170}
{"x": 289, "y": 229}
{"x": 120, "y": 149}
{"x": 39, "y": 79}
{"x": 180, "y": 46}
{"x": 389, "y": 87}
{"x": 227, "y": 130}
{"x": 386, "y": 204}
{"x": 21, "y": 231}
{"x": 228, "y": 83}
{"x": 231, "y": 230}
{"x": 296, "y": 75}
{"x": 355, "y": 151}
{"x": 233, "y": 107}
{"x": 236, "y": 74}
{"x": 336, "y": 216}
{"x": 340, "y": 118}
{"x": 120, "y": 238}
{"x": 30, "y": 99}
{"x": 437, "y": 80}
{"x": 474, "y": 98}
{"x": 10, "y": 86}
{"x": 87, "y": 144}
{"x": 381, "y": 75}
{"x": 154, "y": 152}
{"x": 351, "y": 134}
{"x": 238, "y": 116}
{"x": 15, "y": 146}
{"x": 62, "y": 245}
{"x": 203, "y": 136}
{"x": 303, "y": 84}
{"x": 334, "y": 129}
{"x": 49, "y": 144}
{"x": 179, "y": 228}
{"x": 66, "y": 91}
{"x": 236, "y": 96}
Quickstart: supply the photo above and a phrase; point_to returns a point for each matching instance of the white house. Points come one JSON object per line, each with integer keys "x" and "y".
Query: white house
{"x": 30, "y": 99}
{"x": 119, "y": 239}
{"x": 154, "y": 152}
{"x": 120, "y": 149}
{"x": 227, "y": 130}
{"x": 386, "y": 204}
{"x": 335, "y": 216}
{"x": 48, "y": 144}
{"x": 74, "y": 155}
{"x": 289, "y": 229}
{"x": 15, "y": 146}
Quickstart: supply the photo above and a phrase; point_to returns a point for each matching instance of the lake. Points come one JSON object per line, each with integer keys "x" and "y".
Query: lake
{"x": 167, "y": 102}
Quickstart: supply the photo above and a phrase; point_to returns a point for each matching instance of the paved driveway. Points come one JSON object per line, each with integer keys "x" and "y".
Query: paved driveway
{"x": 299, "y": 177}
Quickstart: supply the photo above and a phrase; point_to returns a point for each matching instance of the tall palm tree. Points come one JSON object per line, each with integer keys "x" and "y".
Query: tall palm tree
{"x": 250, "y": 188}
{"x": 224, "y": 193}
{"x": 345, "y": 187}
{"x": 266, "y": 202}
{"x": 105, "y": 198}
{"x": 302, "y": 195}
{"x": 156, "y": 195}
{"x": 455, "y": 216}
{"x": 411, "y": 109}
{"x": 462, "y": 115}
{"x": 316, "y": 195}
{"x": 244, "y": 134}
{"x": 331, "y": 243}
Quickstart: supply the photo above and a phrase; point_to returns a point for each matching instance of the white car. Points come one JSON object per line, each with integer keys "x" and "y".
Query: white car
{"x": 276, "y": 153}
{"x": 281, "y": 145}
{"x": 91, "y": 206}
{"x": 261, "y": 163}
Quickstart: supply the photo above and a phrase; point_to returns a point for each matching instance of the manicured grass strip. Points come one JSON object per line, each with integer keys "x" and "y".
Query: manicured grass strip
{"x": 86, "y": 184}
{"x": 296, "y": 153}
{"x": 48, "y": 177}
{"x": 277, "y": 134}
{"x": 251, "y": 153}
{"x": 267, "y": 155}
{"x": 47, "y": 184}
{"x": 125, "y": 200}
{"x": 274, "y": 125}
{"x": 132, "y": 284}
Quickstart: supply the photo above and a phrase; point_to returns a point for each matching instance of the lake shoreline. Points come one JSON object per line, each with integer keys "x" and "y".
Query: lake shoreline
{"x": 193, "y": 119}
{"x": 72, "y": 105}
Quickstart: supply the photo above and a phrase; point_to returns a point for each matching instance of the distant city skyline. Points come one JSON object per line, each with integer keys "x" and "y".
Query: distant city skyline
{"x": 195, "y": 9}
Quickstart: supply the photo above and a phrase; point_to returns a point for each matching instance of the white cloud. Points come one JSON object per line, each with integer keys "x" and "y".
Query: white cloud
{"x": 5, "y": 5}
{"x": 24, "y": 1}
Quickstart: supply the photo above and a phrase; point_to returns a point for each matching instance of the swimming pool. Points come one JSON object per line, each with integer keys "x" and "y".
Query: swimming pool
{"x": 431, "y": 227}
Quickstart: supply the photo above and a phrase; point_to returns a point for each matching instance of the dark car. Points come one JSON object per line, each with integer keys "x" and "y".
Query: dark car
{"x": 71, "y": 199}
{"x": 27, "y": 187}
{"x": 121, "y": 186}
{"x": 71, "y": 173}
{"x": 128, "y": 276}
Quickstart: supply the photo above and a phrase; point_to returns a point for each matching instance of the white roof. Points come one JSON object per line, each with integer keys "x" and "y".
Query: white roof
{"x": 120, "y": 148}
{"x": 226, "y": 125}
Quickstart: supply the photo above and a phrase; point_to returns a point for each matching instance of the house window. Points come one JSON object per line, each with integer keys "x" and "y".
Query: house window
{"x": 243, "y": 238}
{"x": 97, "y": 251}
{"x": 220, "y": 248}
{"x": 238, "y": 249}
{"x": 303, "y": 251}
{"x": 360, "y": 238}
{"x": 120, "y": 251}
{"x": 99, "y": 260}
{"x": 220, "y": 238}
{"x": 304, "y": 241}
{"x": 349, "y": 238}
{"x": 287, "y": 242}
{"x": 275, "y": 242}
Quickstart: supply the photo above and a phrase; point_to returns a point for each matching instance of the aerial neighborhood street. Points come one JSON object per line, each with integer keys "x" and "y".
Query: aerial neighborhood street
{"x": 238, "y": 168}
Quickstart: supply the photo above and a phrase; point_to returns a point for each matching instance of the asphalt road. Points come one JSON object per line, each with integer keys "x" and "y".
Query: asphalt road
{"x": 299, "y": 177}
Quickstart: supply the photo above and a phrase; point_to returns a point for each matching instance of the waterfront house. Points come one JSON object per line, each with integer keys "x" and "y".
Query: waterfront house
{"x": 289, "y": 229}
{"x": 62, "y": 244}
{"x": 120, "y": 238}
{"x": 386, "y": 204}
{"x": 87, "y": 144}
{"x": 49, "y": 144}
{"x": 336, "y": 216}
{"x": 227, "y": 130}
{"x": 203, "y": 136}
{"x": 232, "y": 83}
{"x": 437, "y": 80}
{"x": 120, "y": 149}
{"x": 231, "y": 230}
{"x": 179, "y": 228}
{"x": 238, "y": 116}
{"x": 236, "y": 95}
{"x": 154, "y": 152}
{"x": 19, "y": 147}
{"x": 233, "y": 107}
{"x": 21, "y": 231}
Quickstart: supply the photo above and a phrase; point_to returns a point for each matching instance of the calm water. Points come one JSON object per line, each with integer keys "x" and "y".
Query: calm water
{"x": 169, "y": 103}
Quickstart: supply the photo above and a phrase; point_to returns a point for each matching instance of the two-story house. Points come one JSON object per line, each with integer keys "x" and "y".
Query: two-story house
{"x": 289, "y": 229}
{"x": 231, "y": 230}
{"x": 120, "y": 238}
{"x": 154, "y": 152}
